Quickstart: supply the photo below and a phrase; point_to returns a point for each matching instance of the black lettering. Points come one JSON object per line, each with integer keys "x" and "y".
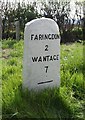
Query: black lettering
{"x": 34, "y": 59}
{"x": 55, "y": 36}
{"x": 52, "y": 36}
{"x": 48, "y": 57}
{"x": 36, "y": 37}
{"x": 54, "y": 57}
{"x": 49, "y": 36}
{"x": 40, "y": 59}
{"x": 40, "y": 37}
{"x": 46, "y": 36}
{"x": 46, "y": 47}
{"x": 51, "y": 59}
{"x": 46, "y": 69}
{"x": 57, "y": 57}
{"x": 44, "y": 58}
{"x": 32, "y": 36}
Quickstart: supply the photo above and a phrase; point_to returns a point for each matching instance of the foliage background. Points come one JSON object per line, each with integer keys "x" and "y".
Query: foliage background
{"x": 70, "y": 27}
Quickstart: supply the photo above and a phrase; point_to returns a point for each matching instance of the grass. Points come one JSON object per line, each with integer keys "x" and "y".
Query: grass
{"x": 0, "y": 80}
{"x": 64, "y": 103}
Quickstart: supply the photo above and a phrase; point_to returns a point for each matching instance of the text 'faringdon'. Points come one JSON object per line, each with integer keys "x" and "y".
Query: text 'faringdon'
{"x": 44, "y": 36}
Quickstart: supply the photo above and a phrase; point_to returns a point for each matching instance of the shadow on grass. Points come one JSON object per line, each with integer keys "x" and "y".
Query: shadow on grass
{"x": 46, "y": 104}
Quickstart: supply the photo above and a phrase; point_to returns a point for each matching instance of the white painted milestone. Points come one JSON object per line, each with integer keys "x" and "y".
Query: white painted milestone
{"x": 41, "y": 64}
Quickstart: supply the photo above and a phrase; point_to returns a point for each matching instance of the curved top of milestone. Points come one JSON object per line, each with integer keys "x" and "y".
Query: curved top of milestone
{"x": 45, "y": 23}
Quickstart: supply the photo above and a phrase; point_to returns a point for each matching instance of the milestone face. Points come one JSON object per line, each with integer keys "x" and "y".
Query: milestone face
{"x": 41, "y": 65}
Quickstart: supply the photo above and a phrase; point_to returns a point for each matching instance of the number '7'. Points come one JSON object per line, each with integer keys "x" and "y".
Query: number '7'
{"x": 46, "y": 69}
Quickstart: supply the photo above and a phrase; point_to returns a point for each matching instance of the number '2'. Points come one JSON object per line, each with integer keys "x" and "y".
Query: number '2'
{"x": 46, "y": 47}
